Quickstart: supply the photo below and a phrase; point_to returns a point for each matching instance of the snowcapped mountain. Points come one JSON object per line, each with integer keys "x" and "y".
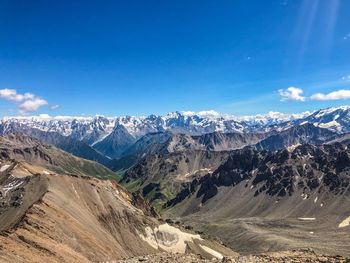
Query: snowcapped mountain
{"x": 336, "y": 119}
{"x": 94, "y": 130}
{"x": 87, "y": 129}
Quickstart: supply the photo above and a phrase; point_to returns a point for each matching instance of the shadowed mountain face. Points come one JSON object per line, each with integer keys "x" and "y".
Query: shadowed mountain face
{"x": 228, "y": 141}
{"x": 115, "y": 143}
{"x": 160, "y": 177}
{"x": 297, "y": 135}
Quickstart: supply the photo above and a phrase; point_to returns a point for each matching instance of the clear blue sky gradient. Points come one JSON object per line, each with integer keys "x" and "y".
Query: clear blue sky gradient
{"x": 142, "y": 57}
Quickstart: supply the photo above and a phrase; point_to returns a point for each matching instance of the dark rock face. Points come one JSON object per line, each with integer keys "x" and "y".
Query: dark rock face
{"x": 308, "y": 168}
{"x": 162, "y": 175}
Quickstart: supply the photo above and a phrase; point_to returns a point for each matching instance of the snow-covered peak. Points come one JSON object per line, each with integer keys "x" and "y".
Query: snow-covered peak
{"x": 95, "y": 129}
{"x": 332, "y": 110}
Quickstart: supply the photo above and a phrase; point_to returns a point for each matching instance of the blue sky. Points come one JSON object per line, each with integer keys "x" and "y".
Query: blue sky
{"x": 143, "y": 57}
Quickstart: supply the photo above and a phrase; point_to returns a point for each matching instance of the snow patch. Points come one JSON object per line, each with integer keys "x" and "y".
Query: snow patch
{"x": 327, "y": 125}
{"x": 12, "y": 185}
{"x": 291, "y": 148}
{"x": 307, "y": 218}
{"x": 4, "y": 167}
{"x": 168, "y": 238}
{"x": 304, "y": 196}
{"x": 345, "y": 222}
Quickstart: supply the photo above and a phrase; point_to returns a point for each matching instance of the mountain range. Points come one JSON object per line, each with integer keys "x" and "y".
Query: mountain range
{"x": 113, "y": 136}
{"x": 257, "y": 183}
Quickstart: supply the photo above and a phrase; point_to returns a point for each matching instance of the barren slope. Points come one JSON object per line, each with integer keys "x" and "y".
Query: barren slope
{"x": 48, "y": 217}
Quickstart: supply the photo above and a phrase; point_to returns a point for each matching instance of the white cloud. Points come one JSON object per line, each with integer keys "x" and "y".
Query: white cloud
{"x": 295, "y": 94}
{"x": 12, "y": 95}
{"x": 343, "y": 94}
{"x": 32, "y": 105}
{"x": 346, "y": 78}
{"x": 26, "y": 102}
{"x": 291, "y": 93}
{"x": 54, "y": 107}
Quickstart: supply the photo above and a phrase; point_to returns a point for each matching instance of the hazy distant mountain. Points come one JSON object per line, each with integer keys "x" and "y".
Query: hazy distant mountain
{"x": 166, "y": 142}
{"x": 116, "y": 142}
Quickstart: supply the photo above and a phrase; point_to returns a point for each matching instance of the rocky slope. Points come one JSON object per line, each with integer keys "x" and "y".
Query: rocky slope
{"x": 167, "y": 142}
{"x": 69, "y": 143}
{"x": 296, "y": 135}
{"x": 273, "y": 200}
{"x": 160, "y": 177}
{"x": 50, "y": 217}
{"x": 22, "y": 147}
